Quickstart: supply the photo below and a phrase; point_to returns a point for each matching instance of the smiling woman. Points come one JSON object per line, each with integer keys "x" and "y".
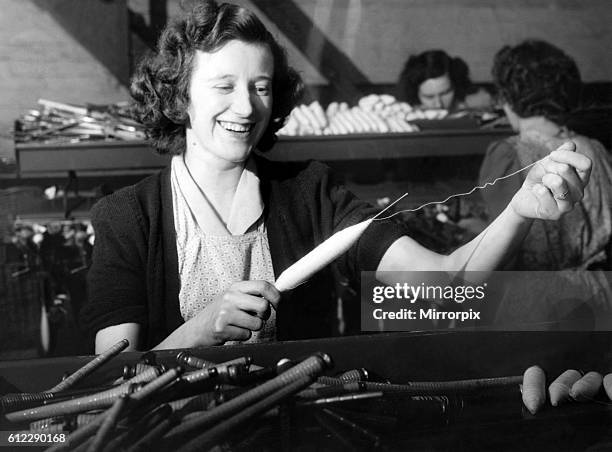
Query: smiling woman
{"x": 188, "y": 257}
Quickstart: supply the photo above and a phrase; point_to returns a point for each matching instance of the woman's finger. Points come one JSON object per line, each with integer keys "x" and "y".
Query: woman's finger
{"x": 563, "y": 194}
{"x": 258, "y": 306}
{"x": 568, "y": 174}
{"x": 234, "y": 333}
{"x": 581, "y": 163}
{"x": 546, "y": 206}
{"x": 227, "y": 325}
{"x": 260, "y": 288}
{"x": 242, "y": 319}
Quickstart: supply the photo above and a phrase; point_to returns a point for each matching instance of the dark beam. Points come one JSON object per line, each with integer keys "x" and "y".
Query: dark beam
{"x": 342, "y": 73}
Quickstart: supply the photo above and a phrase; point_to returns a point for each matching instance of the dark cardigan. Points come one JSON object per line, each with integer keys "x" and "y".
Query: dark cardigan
{"x": 134, "y": 275}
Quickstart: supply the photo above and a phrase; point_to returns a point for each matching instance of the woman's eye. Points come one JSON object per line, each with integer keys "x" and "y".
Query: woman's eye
{"x": 224, "y": 88}
{"x": 262, "y": 90}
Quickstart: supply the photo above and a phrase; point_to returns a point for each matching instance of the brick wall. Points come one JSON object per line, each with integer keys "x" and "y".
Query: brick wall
{"x": 39, "y": 58}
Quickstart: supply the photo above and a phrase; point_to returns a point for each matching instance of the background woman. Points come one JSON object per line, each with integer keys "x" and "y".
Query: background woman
{"x": 539, "y": 87}
{"x": 435, "y": 80}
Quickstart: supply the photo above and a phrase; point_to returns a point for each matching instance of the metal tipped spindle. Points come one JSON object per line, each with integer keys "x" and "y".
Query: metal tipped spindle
{"x": 444, "y": 387}
{"x": 157, "y": 384}
{"x": 341, "y": 399}
{"x": 91, "y": 366}
{"x": 354, "y": 375}
{"x": 48, "y": 425}
{"x": 330, "y": 381}
{"x": 18, "y": 401}
{"x": 86, "y": 418}
{"x": 95, "y": 401}
{"x": 185, "y": 359}
{"x": 200, "y": 375}
{"x": 332, "y": 391}
{"x": 22, "y": 401}
{"x": 130, "y": 371}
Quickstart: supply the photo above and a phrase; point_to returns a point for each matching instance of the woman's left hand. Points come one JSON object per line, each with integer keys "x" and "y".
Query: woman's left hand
{"x": 553, "y": 185}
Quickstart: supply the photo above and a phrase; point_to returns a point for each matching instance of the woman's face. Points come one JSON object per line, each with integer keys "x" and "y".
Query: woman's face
{"x": 230, "y": 101}
{"x": 437, "y": 93}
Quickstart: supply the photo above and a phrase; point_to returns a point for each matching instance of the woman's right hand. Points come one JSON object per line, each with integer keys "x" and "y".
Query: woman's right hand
{"x": 232, "y": 316}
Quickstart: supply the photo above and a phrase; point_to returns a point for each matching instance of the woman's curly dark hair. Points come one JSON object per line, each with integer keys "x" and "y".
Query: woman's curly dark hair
{"x": 160, "y": 87}
{"x": 537, "y": 79}
{"x": 432, "y": 64}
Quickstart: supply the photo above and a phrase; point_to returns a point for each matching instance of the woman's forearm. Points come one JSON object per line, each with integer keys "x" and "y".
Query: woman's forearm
{"x": 493, "y": 246}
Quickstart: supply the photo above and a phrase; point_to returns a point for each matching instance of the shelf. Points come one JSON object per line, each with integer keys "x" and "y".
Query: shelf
{"x": 136, "y": 157}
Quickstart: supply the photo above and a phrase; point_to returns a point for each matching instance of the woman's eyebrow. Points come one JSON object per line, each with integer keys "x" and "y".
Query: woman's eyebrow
{"x": 221, "y": 77}
{"x": 264, "y": 77}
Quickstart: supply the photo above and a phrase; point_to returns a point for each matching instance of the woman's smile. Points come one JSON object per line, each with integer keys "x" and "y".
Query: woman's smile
{"x": 237, "y": 128}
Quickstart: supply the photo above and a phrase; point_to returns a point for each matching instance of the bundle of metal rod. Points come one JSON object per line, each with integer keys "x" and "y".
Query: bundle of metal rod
{"x": 310, "y": 367}
{"x": 138, "y": 428}
{"x": 214, "y": 434}
{"x": 187, "y": 410}
{"x": 83, "y": 434}
{"x": 150, "y": 433}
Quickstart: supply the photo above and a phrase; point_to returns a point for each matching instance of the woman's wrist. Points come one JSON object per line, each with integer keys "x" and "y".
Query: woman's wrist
{"x": 511, "y": 216}
{"x": 184, "y": 337}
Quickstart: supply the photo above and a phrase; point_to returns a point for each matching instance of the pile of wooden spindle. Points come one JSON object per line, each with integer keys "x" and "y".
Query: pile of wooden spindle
{"x": 199, "y": 404}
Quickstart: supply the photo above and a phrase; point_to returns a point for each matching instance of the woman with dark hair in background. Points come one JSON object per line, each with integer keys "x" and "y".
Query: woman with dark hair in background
{"x": 539, "y": 86}
{"x": 435, "y": 80}
{"x": 188, "y": 257}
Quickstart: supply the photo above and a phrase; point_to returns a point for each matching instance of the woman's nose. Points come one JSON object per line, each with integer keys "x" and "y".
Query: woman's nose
{"x": 242, "y": 103}
{"x": 437, "y": 102}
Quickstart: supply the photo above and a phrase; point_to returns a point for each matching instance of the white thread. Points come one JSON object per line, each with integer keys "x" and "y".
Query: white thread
{"x": 478, "y": 187}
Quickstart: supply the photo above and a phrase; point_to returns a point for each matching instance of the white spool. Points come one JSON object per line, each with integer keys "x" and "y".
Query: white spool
{"x": 321, "y": 256}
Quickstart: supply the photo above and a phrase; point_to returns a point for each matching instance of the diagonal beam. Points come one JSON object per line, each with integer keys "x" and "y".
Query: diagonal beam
{"x": 332, "y": 63}
{"x": 99, "y": 26}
